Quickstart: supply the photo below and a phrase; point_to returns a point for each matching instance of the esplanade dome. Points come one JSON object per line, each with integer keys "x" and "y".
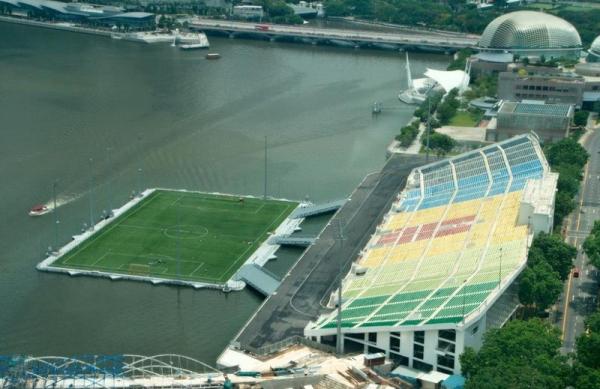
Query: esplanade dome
{"x": 594, "y": 52}
{"x": 530, "y": 33}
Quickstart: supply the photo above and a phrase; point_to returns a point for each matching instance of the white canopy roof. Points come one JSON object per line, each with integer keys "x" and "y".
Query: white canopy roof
{"x": 449, "y": 79}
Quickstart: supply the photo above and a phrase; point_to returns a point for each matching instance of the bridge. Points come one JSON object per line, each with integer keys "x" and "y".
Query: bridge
{"x": 317, "y": 209}
{"x": 287, "y": 240}
{"x": 260, "y": 279}
{"x": 406, "y": 40}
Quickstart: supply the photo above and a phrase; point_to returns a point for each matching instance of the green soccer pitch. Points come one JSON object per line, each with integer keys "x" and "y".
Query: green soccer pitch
{"x": 180, "y": 236}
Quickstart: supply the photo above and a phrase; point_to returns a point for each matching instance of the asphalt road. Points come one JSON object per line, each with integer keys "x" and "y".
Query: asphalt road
{"x": 298, "y": 299}
{"x": 580, "y": 296}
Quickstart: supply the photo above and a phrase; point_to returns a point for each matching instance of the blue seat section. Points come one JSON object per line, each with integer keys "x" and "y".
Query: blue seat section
{"x": 473, "y": 180}
{"x": 413, "y": 197}
{"x": 439, "y": 185}
{"x": 498, "y": 169}
{"x": 524, "y": 164}
{"x": 517, "y": 157}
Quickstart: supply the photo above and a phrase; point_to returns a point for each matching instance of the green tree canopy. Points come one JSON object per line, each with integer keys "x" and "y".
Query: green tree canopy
{"x": 580, "y": 118}
{"x": 588, "y": 350}
{"x": 566, "y": 152}
{"x": 539, "y": 285}
{"x": 522, "y": 354}
{"x": 591, "y": 245}
{"x": 550, "y": 248}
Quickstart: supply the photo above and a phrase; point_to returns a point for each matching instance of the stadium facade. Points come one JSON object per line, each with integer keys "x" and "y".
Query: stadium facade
{"x": 98, "y": 15}
{"x": 440, "y": 268}
{"x": 531, "y": 34}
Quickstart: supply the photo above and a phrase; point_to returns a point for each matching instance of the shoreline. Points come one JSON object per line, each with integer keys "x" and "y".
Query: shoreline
{"x": 61, "y": 26}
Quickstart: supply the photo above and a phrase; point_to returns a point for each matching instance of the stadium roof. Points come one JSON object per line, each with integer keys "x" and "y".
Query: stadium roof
{"x": 450, "y": 245}
{"x": 529, "y": 30}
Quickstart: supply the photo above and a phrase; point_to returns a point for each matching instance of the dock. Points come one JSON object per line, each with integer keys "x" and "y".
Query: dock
{"x": 409, "y": 40}
{"x": 305, "y": 289}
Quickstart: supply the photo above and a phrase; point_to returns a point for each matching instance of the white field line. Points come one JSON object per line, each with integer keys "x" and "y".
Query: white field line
{"x": 109, "y": 228}
{"x": 197, "y": 268}
{"x": 255, "y": 241}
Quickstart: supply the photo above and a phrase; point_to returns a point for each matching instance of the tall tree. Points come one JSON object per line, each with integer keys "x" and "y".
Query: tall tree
{"x": 551, "y": 249}
{"x": 539, "y": 286}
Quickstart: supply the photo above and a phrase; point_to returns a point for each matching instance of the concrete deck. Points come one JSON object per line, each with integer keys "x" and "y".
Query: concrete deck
{"x": 305, "y": 289}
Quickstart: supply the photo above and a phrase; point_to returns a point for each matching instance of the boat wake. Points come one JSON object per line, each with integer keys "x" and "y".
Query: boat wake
{"x": 62, "y": 200}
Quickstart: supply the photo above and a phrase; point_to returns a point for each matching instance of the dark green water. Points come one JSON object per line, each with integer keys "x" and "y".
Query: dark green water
{"x": 186, "y": 123}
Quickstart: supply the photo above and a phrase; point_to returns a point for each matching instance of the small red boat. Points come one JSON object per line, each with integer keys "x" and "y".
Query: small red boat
{"x": 39, "y": 210}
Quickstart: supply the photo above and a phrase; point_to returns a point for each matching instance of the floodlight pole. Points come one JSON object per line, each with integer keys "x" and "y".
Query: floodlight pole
{"x": 339, "y": 343}
{"x": 54, "y": 209}
{"x": 428, "y": 129}
{"x": 463, "y": 303}
{"x": 178, "y": 242}
{"x": 500, "y": 271}
{"x": 110, "y": 194}
{"x": 265, "y": 188}
{"x": 140, "y": 182}
{"x": 91, "y": 196}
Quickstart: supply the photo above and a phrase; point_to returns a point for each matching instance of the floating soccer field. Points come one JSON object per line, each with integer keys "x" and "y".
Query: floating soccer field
{"x": 184, "y": 236}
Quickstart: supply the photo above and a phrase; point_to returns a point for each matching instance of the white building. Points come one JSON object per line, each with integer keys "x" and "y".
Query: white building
{"x": 248, "y": 11}
{"x": 439, "y": 270}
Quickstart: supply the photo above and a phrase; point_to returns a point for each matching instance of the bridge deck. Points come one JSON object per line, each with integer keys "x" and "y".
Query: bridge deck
{"x": 313, "y": 277}
{"x": 402, "y": 39}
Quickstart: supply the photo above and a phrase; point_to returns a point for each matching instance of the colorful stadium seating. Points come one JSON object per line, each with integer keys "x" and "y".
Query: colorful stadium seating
{"x": 448, "y": 242}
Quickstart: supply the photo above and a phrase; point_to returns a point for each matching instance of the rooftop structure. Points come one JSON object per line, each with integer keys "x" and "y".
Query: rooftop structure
{"x": 429, "y": 281}
{"x": 82, "y": 12}
{"x": 532, "y": 34}
{"x": 550, "y": 121}
{"x": 553, "y": 88}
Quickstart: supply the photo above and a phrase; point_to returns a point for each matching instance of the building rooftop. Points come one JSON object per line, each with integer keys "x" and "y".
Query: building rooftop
{"x": 536, "y": 108}
{"x": 448, "y": 247}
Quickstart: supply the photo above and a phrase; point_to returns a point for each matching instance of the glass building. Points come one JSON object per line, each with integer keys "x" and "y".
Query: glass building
{"x": 531, "y": 34}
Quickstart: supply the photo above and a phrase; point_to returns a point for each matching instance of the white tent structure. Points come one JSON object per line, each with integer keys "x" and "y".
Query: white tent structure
{"x": 418, "y": 89}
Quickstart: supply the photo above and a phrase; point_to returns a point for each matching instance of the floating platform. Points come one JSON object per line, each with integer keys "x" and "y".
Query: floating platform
{"x": 179, "y": 237}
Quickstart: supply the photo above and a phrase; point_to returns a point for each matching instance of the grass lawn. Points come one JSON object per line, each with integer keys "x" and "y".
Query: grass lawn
{"x": 181, "y": 235}
{"x": 463, "y": 119}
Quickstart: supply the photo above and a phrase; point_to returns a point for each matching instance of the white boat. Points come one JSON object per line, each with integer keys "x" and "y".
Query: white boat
{"x": 39, "y": 210}
{"x": 417, "y": 90}
{"x": 193, "y": 46}
{"x": 149, "y": 37}
{"x": 196, "y": 40}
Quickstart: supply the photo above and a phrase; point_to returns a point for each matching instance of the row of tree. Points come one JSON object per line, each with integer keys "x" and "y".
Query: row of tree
{"x": 568, "y": 158}
{"x": 549, "y": 262}
{"x": 408, "y": 133}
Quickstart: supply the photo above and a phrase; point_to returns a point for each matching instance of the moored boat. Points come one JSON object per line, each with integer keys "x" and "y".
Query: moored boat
{"x": 39, "y": 210}
{"x": 213, "y": 56}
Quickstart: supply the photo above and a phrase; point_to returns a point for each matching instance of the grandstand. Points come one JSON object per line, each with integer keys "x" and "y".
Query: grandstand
{"x": 444, "y": 256}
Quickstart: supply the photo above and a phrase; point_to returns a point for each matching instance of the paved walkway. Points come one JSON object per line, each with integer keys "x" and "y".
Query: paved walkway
{"x": 315, "y": 274}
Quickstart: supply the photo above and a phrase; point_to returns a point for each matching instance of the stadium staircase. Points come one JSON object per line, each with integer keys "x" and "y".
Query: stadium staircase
{"x": 503, "y": 308}
{"x": 317, "y": 209}
{"x": 260, "y": 279}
